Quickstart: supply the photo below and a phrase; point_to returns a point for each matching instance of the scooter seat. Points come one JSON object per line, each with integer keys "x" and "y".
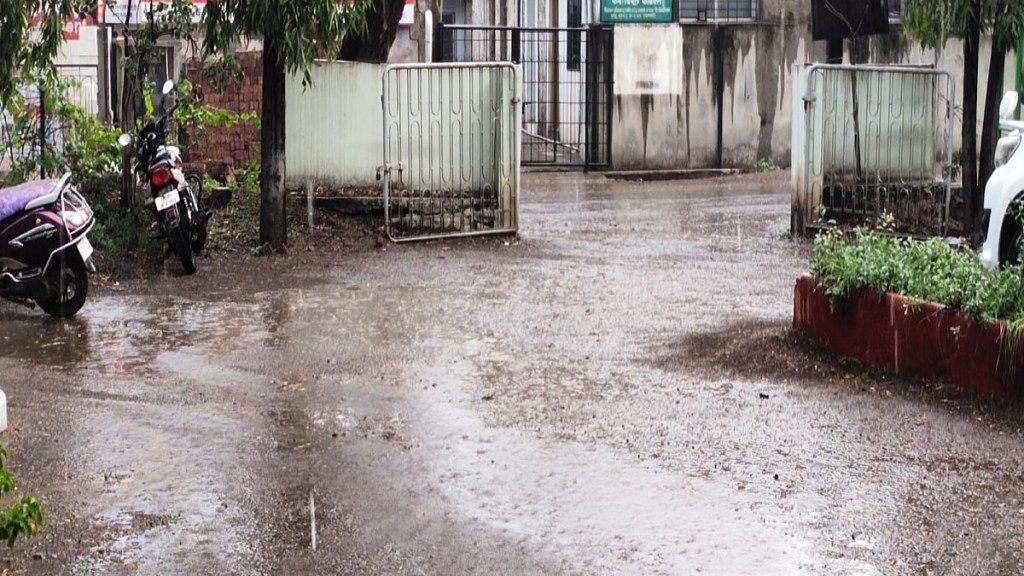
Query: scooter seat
{"x": 15, "y": 198}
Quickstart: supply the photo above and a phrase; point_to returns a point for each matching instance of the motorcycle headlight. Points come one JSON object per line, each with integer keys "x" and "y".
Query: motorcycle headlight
{"x": 1005, "y": 148}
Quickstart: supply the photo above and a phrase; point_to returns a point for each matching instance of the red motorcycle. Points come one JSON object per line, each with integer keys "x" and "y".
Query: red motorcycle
{"x": 181, "y": 215}
{"x": 45, "y": 256}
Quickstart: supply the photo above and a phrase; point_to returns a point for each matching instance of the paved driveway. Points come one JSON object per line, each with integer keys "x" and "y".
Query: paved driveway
{"x": 613, "y": 393}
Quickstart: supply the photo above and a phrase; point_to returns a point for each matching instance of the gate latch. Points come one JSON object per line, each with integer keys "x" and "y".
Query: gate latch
{"x": 389, "y": 169}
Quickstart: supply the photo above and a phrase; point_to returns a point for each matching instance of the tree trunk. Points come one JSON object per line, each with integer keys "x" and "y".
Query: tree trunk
{"x": 374, "y": 44}
{"x": 128, "y": 94}
{"x": 856, "y": 110}
{"x": 969, "y": 151}
{"x": 990, "y": 118}
{"x": 273, "y": 224}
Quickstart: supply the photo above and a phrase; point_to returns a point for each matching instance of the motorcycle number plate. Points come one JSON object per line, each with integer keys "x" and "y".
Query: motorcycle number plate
{"x": 167, "y": 200}
{"x": 85, "y": 249}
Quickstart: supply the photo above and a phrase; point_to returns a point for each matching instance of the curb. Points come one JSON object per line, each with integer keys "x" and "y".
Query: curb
{"x": 912, "y": 338}
{"x": 651, "y": 175}
{"x": 351, "y": 205}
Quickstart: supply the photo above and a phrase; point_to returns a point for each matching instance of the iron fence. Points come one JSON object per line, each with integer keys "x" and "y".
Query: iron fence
{"x": 82, "y": 86}
{"x": 451, "y": 150}
{"x": 567, "y": 81}
{"x": 879, "y": 140}
{"x": 36, "y": 127}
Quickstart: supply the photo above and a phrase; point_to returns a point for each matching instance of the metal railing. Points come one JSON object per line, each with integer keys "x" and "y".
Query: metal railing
{"x": 451, "y": 149}
{"x": 878, "y": 139}
{"x": 718, "y": 10}
{"x": 82, "y": 85}
{"x": 34, "y": 128}
{"x": 567, "y": 81}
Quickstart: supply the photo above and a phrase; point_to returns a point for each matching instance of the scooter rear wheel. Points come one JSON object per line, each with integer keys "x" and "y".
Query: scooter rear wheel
{"x": 69, "y": 285}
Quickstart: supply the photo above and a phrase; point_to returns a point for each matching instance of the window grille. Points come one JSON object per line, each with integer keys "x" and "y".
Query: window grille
{"x": 717, "y": 10}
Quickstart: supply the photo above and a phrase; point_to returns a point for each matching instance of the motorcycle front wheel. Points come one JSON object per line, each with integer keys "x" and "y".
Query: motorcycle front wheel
{"x": 183, "y": 247}
{"x": 69, "y": 285}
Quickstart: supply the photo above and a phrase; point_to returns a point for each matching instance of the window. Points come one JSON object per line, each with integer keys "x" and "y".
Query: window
{"x": 896, "y": 9}
{"x": 717, "y": 10}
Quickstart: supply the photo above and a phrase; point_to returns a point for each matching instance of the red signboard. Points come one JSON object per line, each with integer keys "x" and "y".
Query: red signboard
{"x": 72, "y": 28}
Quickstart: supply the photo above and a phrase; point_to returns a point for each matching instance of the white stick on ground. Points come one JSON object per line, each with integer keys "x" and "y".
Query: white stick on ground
{"x": 312, "y": 520}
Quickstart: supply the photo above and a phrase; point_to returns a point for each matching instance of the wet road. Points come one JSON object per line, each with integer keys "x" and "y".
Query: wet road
{"x": 497, "y": 408}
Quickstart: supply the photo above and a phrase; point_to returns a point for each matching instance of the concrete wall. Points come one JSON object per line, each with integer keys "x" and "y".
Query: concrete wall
{"x": 666, "y": 102}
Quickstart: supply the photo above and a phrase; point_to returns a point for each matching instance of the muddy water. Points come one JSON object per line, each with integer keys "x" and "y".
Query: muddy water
{"x": 471, "y": 408}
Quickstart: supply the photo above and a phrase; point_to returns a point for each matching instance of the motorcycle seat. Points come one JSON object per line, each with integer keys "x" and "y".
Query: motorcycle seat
{"x": 14, "y": 199}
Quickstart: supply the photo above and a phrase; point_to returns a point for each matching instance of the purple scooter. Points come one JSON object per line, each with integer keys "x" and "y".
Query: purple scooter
{"x": 45, "y": 256}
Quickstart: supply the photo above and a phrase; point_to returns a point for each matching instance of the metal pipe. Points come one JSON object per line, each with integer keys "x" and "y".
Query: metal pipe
{"x": 556, "y": 67}
{"x": 42, "y": 131}
{"x": 428, "y": 36}
{"x": 505, "y": 28}
{"x": 1017, "y": 73}
{"x": 719, "y": 41}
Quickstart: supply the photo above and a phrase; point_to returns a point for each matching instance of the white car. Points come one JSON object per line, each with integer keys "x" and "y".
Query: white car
{"x": 1003, "y": 230}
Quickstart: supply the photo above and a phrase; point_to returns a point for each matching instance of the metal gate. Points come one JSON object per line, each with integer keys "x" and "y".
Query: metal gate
{"x": 874, "y": 140}
{"x": 451, "y": 149}
{"x": 567, "y": 86}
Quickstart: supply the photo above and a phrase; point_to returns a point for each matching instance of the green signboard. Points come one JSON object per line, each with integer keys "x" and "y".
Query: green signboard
{"x": 637, "y": 11}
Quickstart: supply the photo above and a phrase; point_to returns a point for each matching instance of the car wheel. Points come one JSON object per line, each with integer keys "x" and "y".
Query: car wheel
{"x": 1012, "y": 236}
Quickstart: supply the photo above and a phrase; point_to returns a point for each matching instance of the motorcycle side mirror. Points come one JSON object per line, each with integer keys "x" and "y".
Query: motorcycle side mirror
{"x": 168, "y": 86}
{"x": 1008, "y": 105}
{"x": 124, "y": 139}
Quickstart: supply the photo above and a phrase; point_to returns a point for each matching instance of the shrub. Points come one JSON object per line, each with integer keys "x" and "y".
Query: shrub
{"x": 765, "y": 165}
{"x": 23, "y": 518}
{"x": 846, "y": 262}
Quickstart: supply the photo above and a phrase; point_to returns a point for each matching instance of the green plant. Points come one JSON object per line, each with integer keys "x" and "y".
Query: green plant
{"x": 765, "y": 165}
{"x": 26, "y": 515}
{"x": 198, "y": 119}
{"x": 847, "y": 262}
{"x": 248, "y": 177}
{"x": 238, "y": 222}
{"x": 86, "y": 147}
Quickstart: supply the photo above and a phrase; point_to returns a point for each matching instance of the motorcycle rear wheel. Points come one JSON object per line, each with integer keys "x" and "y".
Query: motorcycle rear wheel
{"x": 72, "y": 286}
{"x": 183, "y": 247}
{"x": 200, "y": 221}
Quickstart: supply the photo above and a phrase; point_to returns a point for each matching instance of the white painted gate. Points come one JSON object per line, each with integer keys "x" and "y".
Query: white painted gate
{"x": 451, "y": 149}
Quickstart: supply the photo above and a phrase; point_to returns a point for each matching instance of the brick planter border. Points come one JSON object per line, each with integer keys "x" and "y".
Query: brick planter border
{"x": 911, "y": 338}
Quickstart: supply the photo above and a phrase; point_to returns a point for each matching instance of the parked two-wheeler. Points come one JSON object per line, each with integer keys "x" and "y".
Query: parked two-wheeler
{"x": 176, "y": 199}
{"x": 45, "y": 255}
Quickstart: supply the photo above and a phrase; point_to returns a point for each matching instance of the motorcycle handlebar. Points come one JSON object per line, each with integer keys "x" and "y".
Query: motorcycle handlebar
{"x": 156, "y": 135}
